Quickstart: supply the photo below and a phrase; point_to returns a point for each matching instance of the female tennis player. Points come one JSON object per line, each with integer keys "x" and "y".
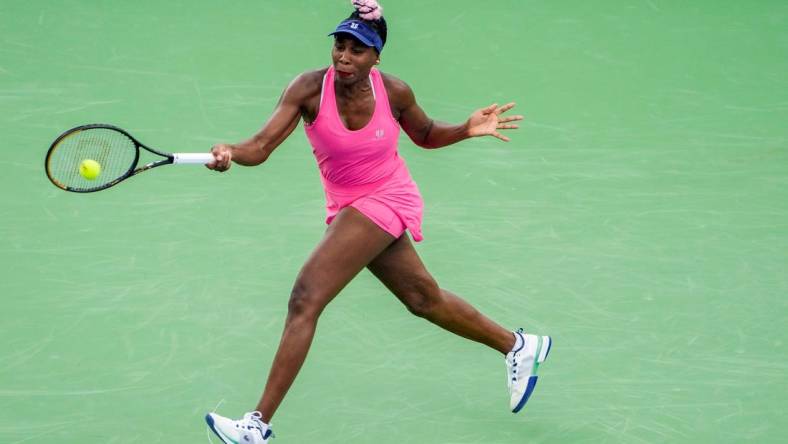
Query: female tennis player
{"x": 352, "y": 117}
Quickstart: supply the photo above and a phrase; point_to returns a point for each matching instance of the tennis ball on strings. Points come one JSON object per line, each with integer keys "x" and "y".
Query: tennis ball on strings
{"x": 89, "y": 169}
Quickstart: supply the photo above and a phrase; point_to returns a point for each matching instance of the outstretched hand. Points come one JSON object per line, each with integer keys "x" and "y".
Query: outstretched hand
{"x": 487, "y": 121}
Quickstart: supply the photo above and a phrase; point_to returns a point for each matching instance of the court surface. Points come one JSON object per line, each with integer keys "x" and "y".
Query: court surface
{"x": 640, "y": 217}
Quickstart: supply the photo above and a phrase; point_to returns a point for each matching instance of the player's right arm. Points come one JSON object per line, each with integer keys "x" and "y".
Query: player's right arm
{"x": 282, "y": 122}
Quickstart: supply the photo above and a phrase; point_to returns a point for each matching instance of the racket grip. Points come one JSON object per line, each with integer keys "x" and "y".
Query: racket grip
{"x": 193, "y": 158}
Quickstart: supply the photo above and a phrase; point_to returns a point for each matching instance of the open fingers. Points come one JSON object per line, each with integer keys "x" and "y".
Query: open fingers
{"x": 504, "y": 108}
{"x": 490, "y": 109}
{"x": 509, "y": 118}
{"x": 503, "y": 121}
{"x": 500, "y": 136}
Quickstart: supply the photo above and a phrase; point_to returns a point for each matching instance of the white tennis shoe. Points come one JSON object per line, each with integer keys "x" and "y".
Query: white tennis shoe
{"x": 249, "y": 430}
{"x": 521, "y": 364}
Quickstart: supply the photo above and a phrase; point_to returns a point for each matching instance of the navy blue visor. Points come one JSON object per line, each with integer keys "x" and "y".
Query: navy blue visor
{"x": 360, "y": 30}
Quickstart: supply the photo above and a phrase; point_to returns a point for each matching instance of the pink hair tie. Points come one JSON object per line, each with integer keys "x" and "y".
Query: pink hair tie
{"x": 368, "y": 9}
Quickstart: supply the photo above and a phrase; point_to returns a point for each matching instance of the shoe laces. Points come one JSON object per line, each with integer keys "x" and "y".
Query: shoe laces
{"x": 511, "y": 367}
{"x": 511, "y": 361}
{"x": 254, "y": 421}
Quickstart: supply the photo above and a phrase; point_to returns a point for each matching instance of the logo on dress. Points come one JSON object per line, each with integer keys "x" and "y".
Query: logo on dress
{"x": 379, "y": 134}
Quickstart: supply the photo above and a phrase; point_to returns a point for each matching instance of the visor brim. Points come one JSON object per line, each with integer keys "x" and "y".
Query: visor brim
{"x": 355, "y": 34}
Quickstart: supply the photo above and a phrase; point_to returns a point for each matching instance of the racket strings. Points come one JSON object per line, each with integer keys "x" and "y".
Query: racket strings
{"x": 115, "y": 153}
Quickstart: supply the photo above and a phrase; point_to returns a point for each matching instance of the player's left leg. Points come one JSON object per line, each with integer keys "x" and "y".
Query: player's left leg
{"x": 402, "y": 271}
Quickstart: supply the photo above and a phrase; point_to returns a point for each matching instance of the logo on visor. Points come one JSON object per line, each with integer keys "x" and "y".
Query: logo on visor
{"x": 354, "y": 26}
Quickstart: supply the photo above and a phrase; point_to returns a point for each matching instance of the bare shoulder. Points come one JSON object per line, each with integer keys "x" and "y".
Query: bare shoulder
{"x": 395, "y": 85}
{"x": 400, "y": 94}
{"x": 307, "y": 84}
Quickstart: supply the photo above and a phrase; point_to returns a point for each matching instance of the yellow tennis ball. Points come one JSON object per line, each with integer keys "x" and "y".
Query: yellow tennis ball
{"x": 89, "y": 169}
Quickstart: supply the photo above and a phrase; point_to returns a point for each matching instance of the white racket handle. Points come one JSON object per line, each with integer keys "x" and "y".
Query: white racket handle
{"x": 198, "y": 158}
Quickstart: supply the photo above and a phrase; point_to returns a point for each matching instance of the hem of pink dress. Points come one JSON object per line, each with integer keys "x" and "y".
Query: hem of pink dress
{"x": 415, "y": 232}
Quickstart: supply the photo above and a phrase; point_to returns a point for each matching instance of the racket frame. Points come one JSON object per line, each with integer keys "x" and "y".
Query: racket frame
{"x": 168, "y": 158}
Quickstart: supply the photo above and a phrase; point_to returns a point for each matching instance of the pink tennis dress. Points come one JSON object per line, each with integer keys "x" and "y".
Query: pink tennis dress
{"x": 362, "y": 168}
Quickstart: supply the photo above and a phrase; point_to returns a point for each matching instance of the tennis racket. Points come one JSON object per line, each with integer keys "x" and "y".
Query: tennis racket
{"x": 108, "y": 156}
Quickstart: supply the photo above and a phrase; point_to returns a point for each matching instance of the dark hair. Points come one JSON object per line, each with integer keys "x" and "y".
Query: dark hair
{"x": 379, "y": 25}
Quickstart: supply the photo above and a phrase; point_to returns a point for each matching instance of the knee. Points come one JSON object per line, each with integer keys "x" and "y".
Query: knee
{"x": 422, "y": 297}
{"x": 304, "y": 303}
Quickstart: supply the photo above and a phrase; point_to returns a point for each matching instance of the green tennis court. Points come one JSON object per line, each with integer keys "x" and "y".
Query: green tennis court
{"x": 639, "y": 217}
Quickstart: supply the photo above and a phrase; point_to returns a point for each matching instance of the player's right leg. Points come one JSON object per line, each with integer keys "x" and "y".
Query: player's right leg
{"x": 350, "y": 243}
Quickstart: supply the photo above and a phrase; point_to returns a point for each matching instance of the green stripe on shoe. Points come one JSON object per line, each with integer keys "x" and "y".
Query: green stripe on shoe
{"x": 536, "y": 355}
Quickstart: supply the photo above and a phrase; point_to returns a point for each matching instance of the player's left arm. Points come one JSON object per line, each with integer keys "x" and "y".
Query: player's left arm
{"x": 429, "y": 133}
